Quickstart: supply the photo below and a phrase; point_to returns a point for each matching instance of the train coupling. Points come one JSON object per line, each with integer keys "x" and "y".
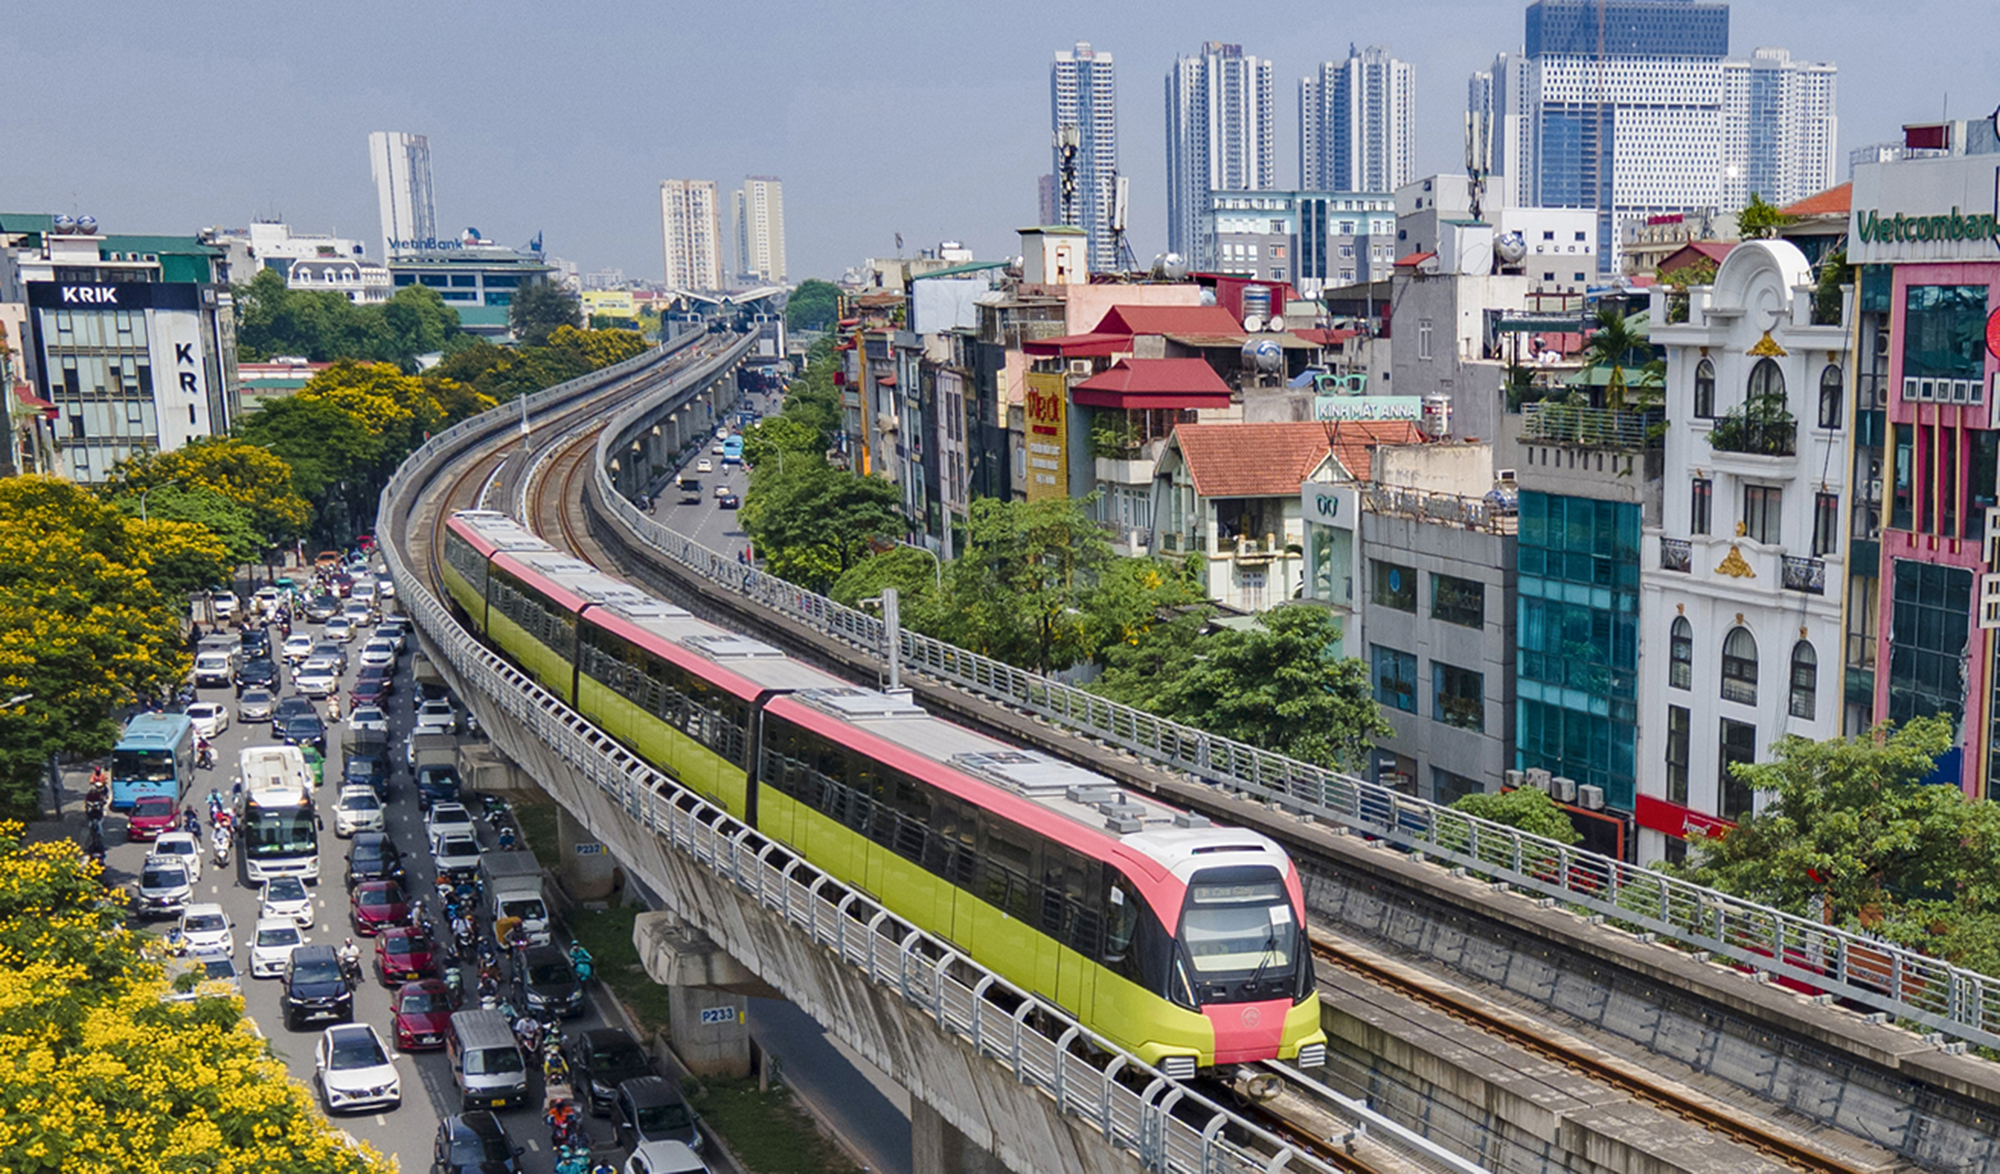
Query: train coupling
{"x": 1254, "y": 1085}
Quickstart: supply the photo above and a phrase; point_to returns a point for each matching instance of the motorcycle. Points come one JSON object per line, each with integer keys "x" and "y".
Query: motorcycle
{"x": 506, "y": 838}
{"x": 528, "y": 1033}
{"x": 555, "y": 1066}
{"x": 581, "y": 962}
{"x": 463, "y": 936}
{"x": 219, "y": 842}
{"x": 454, "y": 984}
{"x": 350, "y": 961}
{"x": 573, "y": 1160}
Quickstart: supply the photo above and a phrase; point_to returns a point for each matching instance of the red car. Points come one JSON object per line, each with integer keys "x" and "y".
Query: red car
{"x": 404, "y": 953}
{"x": 375, "y": 683}
{"x": 423, "y": 1014}
{"x": 151, "y": 815}
{"x": 379, "y": 905}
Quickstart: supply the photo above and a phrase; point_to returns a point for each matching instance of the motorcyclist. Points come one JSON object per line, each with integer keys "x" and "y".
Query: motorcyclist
{"x": 579, "y": 958}
{"x": 190, "y": 822}
{"x": 350, "y": 959}
{"x": 219, "y": 841}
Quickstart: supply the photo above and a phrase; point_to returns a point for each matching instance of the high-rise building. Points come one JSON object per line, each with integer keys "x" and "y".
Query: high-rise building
{"x": 401, "y": 166}
{"x": 1356, "y": 123}
{"x": 1778, "y": 128}
{"x": 760, "y": 229}
{"x": 691, "y": 226}
{"x": 1221, "y": 136}
{"x": 1083, "y": 98}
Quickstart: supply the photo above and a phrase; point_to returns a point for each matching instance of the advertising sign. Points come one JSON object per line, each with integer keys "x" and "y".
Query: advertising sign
{"x": 1046, "y": 426}
{"x": 1682, "y": 823}
{"x": 1368, "y": 407}
{"x": 1925, "y": 210}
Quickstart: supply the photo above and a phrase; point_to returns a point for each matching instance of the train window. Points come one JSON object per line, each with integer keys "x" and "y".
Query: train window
{"x": 911, "y": 801}
{"x": 1121, "y": 924}
{"x": 1007, "y": 858}
{"x": 1069, "y": 889}
{"x": 952, "y": 847}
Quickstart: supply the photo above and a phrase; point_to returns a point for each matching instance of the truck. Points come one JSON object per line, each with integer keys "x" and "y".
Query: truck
{"x": 434, "y": 763}
{"x": 365, "y": 760}
{"x": 280, "y": 829}
{"x": 514, "y": 889}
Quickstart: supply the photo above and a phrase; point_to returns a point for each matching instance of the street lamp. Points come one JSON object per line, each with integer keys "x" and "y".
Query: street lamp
{"x": 17, "y": 699}
{"x": 149, "y": 489}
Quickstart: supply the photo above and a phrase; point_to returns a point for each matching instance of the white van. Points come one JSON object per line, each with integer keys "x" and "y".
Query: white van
{"x": 214, "y": 670}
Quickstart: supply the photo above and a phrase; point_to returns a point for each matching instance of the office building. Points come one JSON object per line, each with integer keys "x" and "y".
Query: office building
{"x": 760, "y": 230}
{"x": 1083, "y": 119}
{"x": 477, "y": 280}
{"x": 312, "y": 261}
{"x": 401, "y": 166}
{"x": 1357, "y": 124}
{"x": 1779, "y": 128}
{"x": 690, "y": 225}
{"x": 1221, "y": 136}
{"x": 1311, "y": 239}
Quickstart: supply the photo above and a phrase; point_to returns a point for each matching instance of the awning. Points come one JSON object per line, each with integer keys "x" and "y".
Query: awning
{"x": 1141, "y": 384}
{"x": 1080, "y": 345}
{"x": 28, "y": 398}
{"x": 886, "y": 381}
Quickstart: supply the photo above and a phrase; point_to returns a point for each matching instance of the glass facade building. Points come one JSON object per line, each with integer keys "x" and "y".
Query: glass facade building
{"x": 1642, "y": 28}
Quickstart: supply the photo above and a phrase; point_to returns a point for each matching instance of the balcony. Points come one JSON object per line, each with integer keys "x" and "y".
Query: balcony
{"x": 1761, "y": 427}
{"x": 1496, "y": 513}
{"x": 1804, "y": 574}
{"x": 1676, "y": 554}
{"x": 1588, "y": 427}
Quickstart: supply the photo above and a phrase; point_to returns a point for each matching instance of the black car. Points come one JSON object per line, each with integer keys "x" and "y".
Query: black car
{"x": 289, "y": 708}
{"x": 315, "y": 988}
{"x": 437, "y": 784}
{"x": 306, "y": 729}
{"x": 545, "y": 983}
{"x": 261, "y": 673}
{"x": 474, "y": 1143}
{"x": 373, "y": 857}
{"x": 650, "y": 1109}
{"x": 256, "y": 643}
{"x": 602, "y": 1059}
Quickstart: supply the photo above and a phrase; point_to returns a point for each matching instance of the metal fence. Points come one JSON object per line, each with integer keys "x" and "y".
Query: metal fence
{"x": 1133, "y": 1105}
{"x": 1900, "y": 982}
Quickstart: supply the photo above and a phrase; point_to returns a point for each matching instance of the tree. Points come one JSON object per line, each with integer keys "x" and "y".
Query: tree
{"x": 418, "y": 321}
{"x": 229, "y": 523}
{"x": 252, "y": 477}
{"x": 1834, "y": 272}
{"x": 539, "y": 308}
{"x": 1016, "y": 591}
{"x": 1528, "y": 808}
{"x": 180, "y": 557}
{"x": 780, "y": 439}
{"x": 1616, "y": 345}
{"x": 105, "y": 1073}
{"x": 815, "y": 305}
{"x": 323, "y": 442}
{"x": 812, "y": 522}
{"x": 911, "y": 572}
{"x": 1759, "y": 220}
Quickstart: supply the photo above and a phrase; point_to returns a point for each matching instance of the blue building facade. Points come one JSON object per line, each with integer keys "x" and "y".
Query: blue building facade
{"x": 1631, "y": 28}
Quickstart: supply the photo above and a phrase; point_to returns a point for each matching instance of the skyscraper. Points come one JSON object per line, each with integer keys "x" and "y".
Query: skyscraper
{"x": 1083, "y": 96}
{"x": 1221, "y": 136}
{"x": 1778, "y": 129}
{"x": 401, "y": 166}
{"x": 691, "y": 226}
{"x": 760, "y": 229}
{"x": 1356, "y": 124}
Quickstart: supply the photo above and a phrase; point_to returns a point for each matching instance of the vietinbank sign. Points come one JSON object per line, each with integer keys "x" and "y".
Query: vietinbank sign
{"x": 424, "y": 244}
{"x": 1916, "y": 210}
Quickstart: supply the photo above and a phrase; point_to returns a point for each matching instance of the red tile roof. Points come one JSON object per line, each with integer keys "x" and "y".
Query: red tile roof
{"x": 1154, "y": 383}
{"x": 1414, "y": 259}
{"x": 1318, "y": 337}
{"x": 1355, "y": 441}
{"x": 1079, "y": 346}
{"x": 1251, "y": 460}
{"x": 1167, "y": 320}
{"x": 1832, "y": 201}
{"x": 1687, "y": 254}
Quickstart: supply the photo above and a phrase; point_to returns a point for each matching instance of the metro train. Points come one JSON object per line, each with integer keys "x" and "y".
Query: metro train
{"x": 1180, "y": 941}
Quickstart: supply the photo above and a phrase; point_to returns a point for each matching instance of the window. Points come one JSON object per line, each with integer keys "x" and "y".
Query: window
{"x": 1423, "y": 338}
{"x": 1829, "y": 397}
{"x": 1579, "y": 277}
{"x": 1679, "y": 722}
{"x": 1763, "y": 513}
{"x": 1943, "y": 329}
{"x": 1739, "y": 666}
{"x": 1739, "y": 744}
{"x": 1395, "y": 678}
{"x": 1930, "y": 620}
{"x": 1579, "y": 236}
{"x": 1680, "y": 654}
{"x": 1548, "y": 234}
{"x": 1448, "y": 787}
{"x": 1458, "y": 601}
{"x": 1805, "y": 680}
{"x": 1826, "y": 523}
{"x": 1701, "y": 498}
{"x": 1767, "y": 378}
{"x": 1704, "y": 390}
{"x": 1395, "y": 586}
{"x": 1458, "y": 696}
{"x": 1900, "y": 513}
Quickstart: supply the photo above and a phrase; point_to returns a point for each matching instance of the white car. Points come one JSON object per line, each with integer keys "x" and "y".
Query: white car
{"x": 455, "y": 853}
{"x": 704, "y": 465}
{"x": 354, "y": 1071}
{"x": 664, "y": 1157}
{"x": 209, "y": 718}
{"x": 272, "y": 946}
{"x": 436, "y": 717}
{"x": 255, "y": 705}
{"x": 358, "y": 612}
{"x": 716, "y": 448}
{"x": 378, "y": 651}
{"x": 339, "y": 629}
{"x": 224, "y": 603}
{"x": 297, "y": 648}
{"x": 385, "y": 587}
{"x": 446, "y": 817}
{"x": 204, "y": 929}
{"x": 286, "y": 898}
{"x": 164, "y": 886}
{"x": 363, "y": 589}
{"x": 182, "y": 847}
{"x": 394, "y": 628}
{"x": 368, "y": 717}
{"x": 316, "y": 681}
{"x": 357, "y": 810}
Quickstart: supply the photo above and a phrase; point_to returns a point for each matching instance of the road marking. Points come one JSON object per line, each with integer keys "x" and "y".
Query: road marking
{"x": 380, "y": 1119}
{"x": 534, "y": 1147}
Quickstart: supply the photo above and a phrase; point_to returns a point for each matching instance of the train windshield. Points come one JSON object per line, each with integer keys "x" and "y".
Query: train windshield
{"x": 1240, "y": 935}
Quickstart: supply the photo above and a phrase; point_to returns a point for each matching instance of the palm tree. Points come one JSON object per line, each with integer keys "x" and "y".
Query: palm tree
{"x": 1613, "y": 345}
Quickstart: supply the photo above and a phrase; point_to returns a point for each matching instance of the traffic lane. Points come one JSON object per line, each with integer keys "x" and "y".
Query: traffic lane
{"x": 858, "y": 1101}
{"x": 704, "y": 521}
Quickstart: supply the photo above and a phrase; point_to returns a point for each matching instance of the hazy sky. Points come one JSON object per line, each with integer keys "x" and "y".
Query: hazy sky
{"x": 925, "y": 118}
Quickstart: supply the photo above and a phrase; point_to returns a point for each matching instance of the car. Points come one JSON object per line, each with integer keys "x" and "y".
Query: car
{"x": 150, "y": 816}
{"x": 326, "y": 560}
{"x": 368, "y": 717}
{"x": 359, "y": 809}
{"x": 323, "y": 608}
{"x": 649, "y": 1110}
{"x": 360, "y": 613}
{"x": 456, "y": 855}
{"x": 366, "y": 768}
{"x": 404, "y": 954}
{"x": 395, "y": 628}
{"x": 665, "y": 1157}
{"x": 437, "y": 783}
{"x": 332, "y": 650}
{"x": 297, "y": 648}
{"x": 316, "y": 681}
{"x": 341, "y": 582}
{"x": 291, "y": 707}
{"x": 721, "y": 491}
{"x": 435, "y": 717}
{"x": 364, "y": 589}
{"x": 259, "y": 672}
{"x": 354, "y": 1071}
{"x": 474, "y": 1143}
{"x": 255, "y": 643}
{"x": 372, "y": 684}
{"x": 339, "y": 628}
{"x": 209, "y": 718}
{"x": 376, "y": 905}
{"x": 214, "y": 972}
{"x": 728, "y": 501}
{"x": 306, "y": 729}
{"x": 603, "y": 1058}
{"x": 373, "y": 857}
{"x": 546, "y": 984}
{"x": 204, "y": 929}
{"x": 255, "y": 705}
{"x": 288, "y": 898}
{"x": 385, "y": 587}
{"x": 182, "y": 847}
{"x": 421, "y": 1014}
{"x": 224, "y": 604}
{"x": 268, "y": 597}
{"x": 446, "y": 817}
{"x": 165, "y": 887}
{"x": 378, "y": 653}
{"x": 271, "y": 946}
{"x": 704, "y": 465}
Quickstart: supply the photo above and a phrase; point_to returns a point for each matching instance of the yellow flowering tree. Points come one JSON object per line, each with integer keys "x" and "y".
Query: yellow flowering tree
{"x": 246, "y": 474}
{"x": 104, "y": 1073}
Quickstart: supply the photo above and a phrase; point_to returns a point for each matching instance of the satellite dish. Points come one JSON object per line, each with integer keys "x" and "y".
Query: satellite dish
{"x": 1276, "y": 324}
{"x": 1252, "y": 323}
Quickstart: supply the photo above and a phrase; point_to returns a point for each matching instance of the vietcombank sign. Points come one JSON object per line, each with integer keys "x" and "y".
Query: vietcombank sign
{"x": 1883, "y": 228}
{"x": 1926, "y": 210}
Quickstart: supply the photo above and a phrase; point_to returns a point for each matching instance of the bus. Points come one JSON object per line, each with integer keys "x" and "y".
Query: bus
{"x": 154, "y": 757}
{"x": 280, "y": 834}
{"x": 732, "y": 450}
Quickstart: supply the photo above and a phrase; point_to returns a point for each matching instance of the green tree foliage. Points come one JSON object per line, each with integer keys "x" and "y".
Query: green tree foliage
{"x": 815, "y": 305}
{"x": 1527, "y": 808}
{"x": 1616, "y": 345}
{"x": 273, "y": 319}
{"x": 83, "y": 627}
{"x": 911, "y": 572}
{"x": 1274, "y": 686}
{"x": 227, "y": 520}
{"x": 1759, "y": 220}
{"x": 780, "y": 440}
{"x": 503, "y": 374}
{"x": 538, "y": 309}
{"x": 811, "y": 523}
{"x": 1017, "y": 590}
{"x": 323, "y": 442}
{"x": 251, "y": 477}
{"x": 1834, "y": 272}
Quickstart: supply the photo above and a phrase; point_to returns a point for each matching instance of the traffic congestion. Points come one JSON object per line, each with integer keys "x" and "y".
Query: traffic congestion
{"x": 296, "y": 830}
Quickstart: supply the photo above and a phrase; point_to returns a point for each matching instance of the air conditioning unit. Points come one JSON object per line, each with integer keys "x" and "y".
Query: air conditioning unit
{"x": 1515, "y": 778}
{"x": 1079, "y": 367}
{"x": 1875, "y": 489}
{"x": 1538, "y": 778}
{"x": 1504, "y": 475}
{"x": 1563, "y": 789}
{"x": 1590, "y": 797}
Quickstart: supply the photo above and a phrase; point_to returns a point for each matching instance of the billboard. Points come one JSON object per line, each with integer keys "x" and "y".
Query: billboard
{"x": 1368, "y": 407}
{"x": 1045, "y": 427}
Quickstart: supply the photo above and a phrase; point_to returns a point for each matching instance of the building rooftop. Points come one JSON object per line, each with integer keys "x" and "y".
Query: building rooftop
{"x": 1252, "y": 460}
{"x": 1834, "y": 201}
{"x": 1154, "y": 383}
{"x": 1168, "y": 320}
